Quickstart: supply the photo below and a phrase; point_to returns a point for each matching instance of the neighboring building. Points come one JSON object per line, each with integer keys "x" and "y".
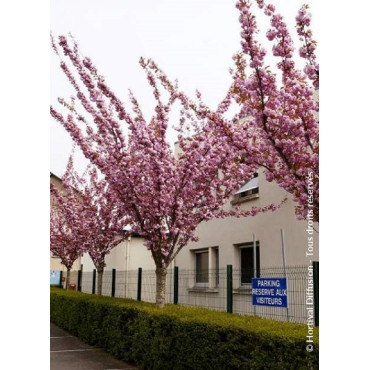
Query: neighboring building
{"x": 230, "y": 240}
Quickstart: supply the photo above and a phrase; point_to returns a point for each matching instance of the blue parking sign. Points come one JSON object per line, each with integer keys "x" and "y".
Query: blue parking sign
{"x": 270, "y": 292}
{"x": 54, "y": 277}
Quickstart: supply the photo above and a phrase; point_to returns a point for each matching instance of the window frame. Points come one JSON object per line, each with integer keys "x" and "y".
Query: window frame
{"x": 197, "y": 252}
{"x": 213, "y": 271}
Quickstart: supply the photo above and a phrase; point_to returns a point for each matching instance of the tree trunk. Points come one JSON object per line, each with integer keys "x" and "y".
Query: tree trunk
{"x": 68, "y": 278}
{"x": 160, "y": 274}
{"x": 100, "y": 280}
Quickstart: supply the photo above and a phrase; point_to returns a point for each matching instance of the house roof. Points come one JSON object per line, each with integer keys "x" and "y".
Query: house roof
{"x": 54, "y": 175}
{"x": 59, "y": 179}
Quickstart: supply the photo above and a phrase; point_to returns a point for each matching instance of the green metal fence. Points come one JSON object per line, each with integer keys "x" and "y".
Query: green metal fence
{"x": 224, "y": 289}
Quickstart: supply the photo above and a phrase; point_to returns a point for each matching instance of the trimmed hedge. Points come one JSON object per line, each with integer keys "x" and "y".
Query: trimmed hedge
{"x": 56, "y": 286}
{"x": 178, "y": 337}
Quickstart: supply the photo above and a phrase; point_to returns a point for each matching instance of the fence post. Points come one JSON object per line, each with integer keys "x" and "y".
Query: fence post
{"x": 93, "y": 282}
{"x": 79, "y": 280}
{"x": 61, "y": 279}
{"x": 315, "y": 265}
{"x": 139, "y": 275}
{"x": 113, "y": 282}
{"x": 229, "y": 285}
{"x": 176, "y": 285}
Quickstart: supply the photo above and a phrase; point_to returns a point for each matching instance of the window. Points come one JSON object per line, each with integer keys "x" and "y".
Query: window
{"x": 201, "y": 267}
{"x": 206, "y": 267}
{"x": 246, "y": 263}
{"x": 248, "y": 191}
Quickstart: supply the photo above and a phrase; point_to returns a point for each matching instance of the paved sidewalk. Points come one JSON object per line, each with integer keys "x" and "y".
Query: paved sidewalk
{"x": 69, "y": 353}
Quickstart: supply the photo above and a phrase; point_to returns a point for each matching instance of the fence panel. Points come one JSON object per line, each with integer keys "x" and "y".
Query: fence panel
{"x": 203, "y": 288}
{"x": 131, "y": 284}
{"x": 208, "y": 289}
{"x": 296, "y": 280}
{"x": 87, "y": 278}
{"x": 121, "y": 286}
{"x": 107, "y": 283}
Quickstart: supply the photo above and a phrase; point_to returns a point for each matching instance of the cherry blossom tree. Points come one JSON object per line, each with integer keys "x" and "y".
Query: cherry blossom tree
{"x": 102, "y": 220}
{"x": 66, "y": 242}
{"x": 277, "y": 126}
{"x": 62, "y": 242}
{"x": 164, "y": 195}
{"x": 91, "y": 222}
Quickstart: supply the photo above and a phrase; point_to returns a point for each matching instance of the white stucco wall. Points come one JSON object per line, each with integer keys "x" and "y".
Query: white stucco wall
{"x": 128, "y": 255}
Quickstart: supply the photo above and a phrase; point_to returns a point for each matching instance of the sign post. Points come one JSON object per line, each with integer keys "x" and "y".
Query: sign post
{"x": 254, "y": 265}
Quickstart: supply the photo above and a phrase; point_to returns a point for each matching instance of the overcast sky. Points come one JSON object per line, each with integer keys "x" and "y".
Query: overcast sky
{"x": 192, "y": 40}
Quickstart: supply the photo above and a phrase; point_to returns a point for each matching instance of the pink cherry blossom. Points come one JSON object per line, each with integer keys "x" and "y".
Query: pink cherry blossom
{"x": 84, "y": 218}
{"x": 164, "y": 196}
{"x": 277, "y": 127}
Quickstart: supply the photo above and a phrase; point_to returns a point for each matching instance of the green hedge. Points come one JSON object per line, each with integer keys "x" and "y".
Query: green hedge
{"x": 178, "y": 337}
{"x": 56, "y": 286}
